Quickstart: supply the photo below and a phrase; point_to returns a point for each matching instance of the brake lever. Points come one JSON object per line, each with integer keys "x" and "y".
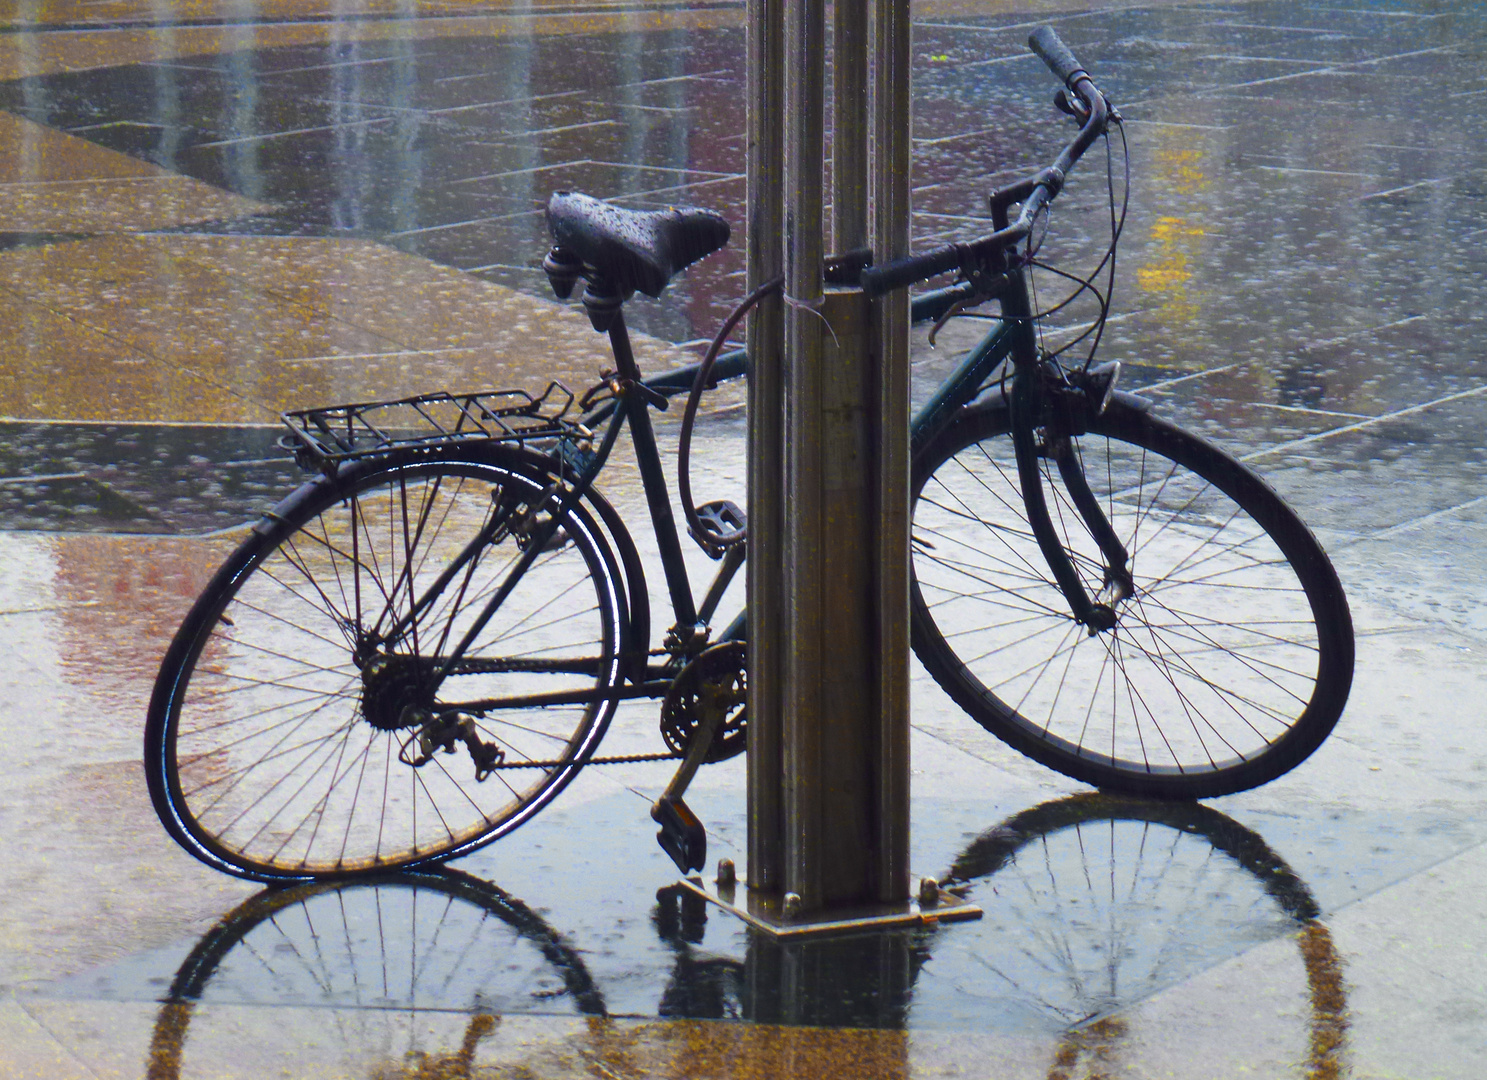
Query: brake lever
{"x": 1070, "y": 106}
{"x": 987, "y": 287}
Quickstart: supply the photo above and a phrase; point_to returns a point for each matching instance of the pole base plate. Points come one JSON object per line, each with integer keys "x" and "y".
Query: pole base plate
{"x": 766, "y": 911}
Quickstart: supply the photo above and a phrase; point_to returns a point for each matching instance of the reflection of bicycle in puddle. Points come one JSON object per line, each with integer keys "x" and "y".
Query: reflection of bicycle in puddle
{"x": 1092, "y": 905}
{"x": 375, "y": 956}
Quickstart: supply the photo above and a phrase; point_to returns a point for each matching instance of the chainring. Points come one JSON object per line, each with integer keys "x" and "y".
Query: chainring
{"x": 716, "y": 678}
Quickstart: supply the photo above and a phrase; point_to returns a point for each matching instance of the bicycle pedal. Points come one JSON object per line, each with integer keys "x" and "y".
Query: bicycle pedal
{"x": 681, "y": 835}
{"x": 722, "y": 522}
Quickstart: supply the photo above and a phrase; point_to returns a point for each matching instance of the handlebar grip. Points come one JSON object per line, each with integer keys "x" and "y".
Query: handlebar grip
{"x": 877, "y": 280}
{"x": 1055, "y": 54}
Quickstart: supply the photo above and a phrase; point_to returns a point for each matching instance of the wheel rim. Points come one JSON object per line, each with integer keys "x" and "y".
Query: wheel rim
{"x": 290, "y": 738}
{"x": 1214, "y": 660}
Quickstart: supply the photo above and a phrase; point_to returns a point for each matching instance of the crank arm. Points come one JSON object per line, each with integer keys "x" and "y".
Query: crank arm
{"x": 682, "y": 835}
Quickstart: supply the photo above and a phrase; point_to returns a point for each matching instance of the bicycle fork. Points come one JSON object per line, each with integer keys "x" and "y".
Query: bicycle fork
{"x": 1032, "y": 407}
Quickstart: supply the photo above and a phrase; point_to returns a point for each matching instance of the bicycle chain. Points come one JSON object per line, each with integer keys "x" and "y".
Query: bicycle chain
{"x": 626, "y": 759}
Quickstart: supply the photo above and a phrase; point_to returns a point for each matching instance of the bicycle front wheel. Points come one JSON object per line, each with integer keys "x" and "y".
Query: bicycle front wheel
{"x": 1229, "y": 662}
{"x": 309, "y": 720}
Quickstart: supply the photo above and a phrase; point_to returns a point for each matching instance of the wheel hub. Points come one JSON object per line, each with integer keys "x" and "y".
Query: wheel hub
{"x": 392, "y": 691}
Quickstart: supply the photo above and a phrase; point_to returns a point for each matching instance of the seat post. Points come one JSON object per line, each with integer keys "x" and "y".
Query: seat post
{"x": 657, "y": 498}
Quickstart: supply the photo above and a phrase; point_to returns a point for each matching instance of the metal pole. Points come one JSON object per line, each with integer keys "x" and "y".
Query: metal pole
{"x": 766, "y": 586}
{"x": 849, "y": 126}
{"x": 828, "y": 473}
{"x": 891, "y": 210}
{"x": 805, "y": 91}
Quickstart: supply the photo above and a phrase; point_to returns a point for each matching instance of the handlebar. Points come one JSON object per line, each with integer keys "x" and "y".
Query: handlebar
{"x": 1053, "y": 52}
{"x": 1035, "y": 192}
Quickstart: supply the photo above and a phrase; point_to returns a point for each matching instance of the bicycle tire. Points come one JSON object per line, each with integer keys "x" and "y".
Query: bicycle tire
{"x": 277, "y": 745}
{"x": 1200, "y": 702}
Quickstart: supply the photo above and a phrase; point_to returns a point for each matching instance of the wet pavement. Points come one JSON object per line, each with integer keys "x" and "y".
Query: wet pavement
{"x": 244, "y": 208}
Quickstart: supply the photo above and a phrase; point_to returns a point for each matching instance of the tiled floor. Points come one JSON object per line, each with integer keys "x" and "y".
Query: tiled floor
{"x": 217, "y": 211}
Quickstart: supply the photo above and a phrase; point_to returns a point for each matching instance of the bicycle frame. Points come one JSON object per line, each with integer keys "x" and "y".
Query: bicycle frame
{"x": 1012, "y": 336}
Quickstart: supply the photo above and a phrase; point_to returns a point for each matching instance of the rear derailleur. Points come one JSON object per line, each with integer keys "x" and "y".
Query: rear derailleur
{"x": 443, "y": 731}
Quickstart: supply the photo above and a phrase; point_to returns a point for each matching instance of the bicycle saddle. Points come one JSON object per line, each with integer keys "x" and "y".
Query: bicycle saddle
{"x": 633, "y": 250}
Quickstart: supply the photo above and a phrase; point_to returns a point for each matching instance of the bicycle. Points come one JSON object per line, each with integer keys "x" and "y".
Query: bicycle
{"x": 1111, "y": 596}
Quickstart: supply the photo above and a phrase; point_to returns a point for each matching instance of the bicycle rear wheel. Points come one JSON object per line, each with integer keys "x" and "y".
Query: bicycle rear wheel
{"x": 295, "y": 728}
{"x": 1227, "y": 666}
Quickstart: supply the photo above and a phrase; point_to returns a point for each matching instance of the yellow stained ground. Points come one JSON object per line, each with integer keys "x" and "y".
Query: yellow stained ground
{"x": 232, "y": 329}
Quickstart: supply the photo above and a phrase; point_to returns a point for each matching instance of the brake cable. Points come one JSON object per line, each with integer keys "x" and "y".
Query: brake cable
{"x": 712, "y": 544}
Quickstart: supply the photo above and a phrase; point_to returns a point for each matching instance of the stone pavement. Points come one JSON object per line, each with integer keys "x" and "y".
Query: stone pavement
{"x": 215, "y": 211}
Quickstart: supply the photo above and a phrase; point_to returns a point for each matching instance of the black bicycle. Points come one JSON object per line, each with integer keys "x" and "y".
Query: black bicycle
{"x": 421, "y": 647}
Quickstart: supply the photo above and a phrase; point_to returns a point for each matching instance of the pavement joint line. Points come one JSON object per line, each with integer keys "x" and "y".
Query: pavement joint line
{"x": 450, "y": 109}
{"x": 681, "y": 111}
{"x": 711, "y": 174}
{"x": 1254, "y": 59}
{"x": 677, "y": 78}
{"x": 1349, "y": 428}
{"x": 1424, "y": 519}
{"x": 952, "y": 138}
{"x": 1361, "y": 333}
{"x": 566, "y": 127}
{"x": 1283, "y": 29}
{"x": 994, "y": 60}
{"x": 164, "y": 178}
{"x": 331, "y": 67}
{"x": 1193, "y": 375}
{"x": 1421, "y": 149}
{"x": 4, "y": 480}
{"x": 676, "y": 187}
{"x": 43, "y": 608}
{"x": 297, "y": 131}
{"x": 329, "y": 357}
{"x": 530, "y": 172}
{"x": 463, "y": 224}
{"x": 518, "y": 20}
{"x": 1319, "y": 172}
{"x": 1316, "y": 412}
{"x": 1330, "y": 69}
{"x": 1405, "y": 187}
{"x": 1175, "y": 124}
{"x": 1388, "y": 14}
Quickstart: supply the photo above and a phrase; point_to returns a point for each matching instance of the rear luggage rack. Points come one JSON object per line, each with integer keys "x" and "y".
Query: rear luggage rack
{"x": 322, "y": 438}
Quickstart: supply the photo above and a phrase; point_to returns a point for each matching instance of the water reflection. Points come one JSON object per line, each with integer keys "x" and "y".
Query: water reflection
{"x": 1093, "y": 905}
{"x": 378, "y": 952}
{"x": 1120, "y": 899}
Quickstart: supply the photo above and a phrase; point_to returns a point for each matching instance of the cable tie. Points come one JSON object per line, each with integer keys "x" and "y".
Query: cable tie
{"x": 814, "y": 307}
